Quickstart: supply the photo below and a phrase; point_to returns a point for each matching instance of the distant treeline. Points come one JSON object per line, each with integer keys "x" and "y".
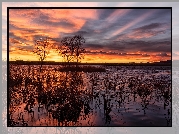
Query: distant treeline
{"x": 163, "y": 63}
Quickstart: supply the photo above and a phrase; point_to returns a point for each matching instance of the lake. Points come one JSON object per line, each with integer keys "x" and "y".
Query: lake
{"x": 120, "y": 96}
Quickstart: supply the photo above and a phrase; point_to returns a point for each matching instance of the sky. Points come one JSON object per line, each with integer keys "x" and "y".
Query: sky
{"x": 112, "y": 35}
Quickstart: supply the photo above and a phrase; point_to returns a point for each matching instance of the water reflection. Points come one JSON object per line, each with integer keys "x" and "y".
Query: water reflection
{"x": 117, "y": 97}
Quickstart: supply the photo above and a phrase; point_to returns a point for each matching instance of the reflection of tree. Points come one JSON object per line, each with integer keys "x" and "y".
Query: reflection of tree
{"x": 163, "y": 92}
{"x": 168, "y": 117}
{"x": 107, "y": 109}
{"x": 70, "y": 102}
{"x": 167, "y": 97}
{"x": 86, "y": 108}
{"x": 144, "y": 92}
{"x": 133, "y": 82}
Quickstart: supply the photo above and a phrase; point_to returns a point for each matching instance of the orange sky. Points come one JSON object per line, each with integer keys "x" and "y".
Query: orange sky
{"x": 116, "y": 35}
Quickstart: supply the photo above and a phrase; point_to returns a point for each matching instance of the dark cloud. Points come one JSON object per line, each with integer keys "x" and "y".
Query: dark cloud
{"x": 133, "y": 46}
{"x": 149, "y": 46}
{"x": 46, "y": 21}
{"x": 163, "y": 15}
{"x": 13, "y": 41}
{"x": 27, "y": 30}
{"x": 152, "y": 26}
{"x": 150, "y": 31}
{"x": 139, "y": 12}
{"x": 26, "y": 48}
{"x": 82, "y": 33}
{"x": 99, "y": 29}
{"x": 93, "y": 46}
{"x": 103, "y": 13}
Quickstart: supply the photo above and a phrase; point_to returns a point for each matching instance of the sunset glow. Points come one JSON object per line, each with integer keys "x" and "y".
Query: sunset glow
{"x": 112, "y": 35}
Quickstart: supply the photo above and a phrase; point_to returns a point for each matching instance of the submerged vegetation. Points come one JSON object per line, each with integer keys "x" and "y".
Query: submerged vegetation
{"x": 54, "y": 98}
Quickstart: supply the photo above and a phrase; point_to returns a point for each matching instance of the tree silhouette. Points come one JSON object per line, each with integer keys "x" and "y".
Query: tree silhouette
{"x": 71, "y": 48}
{"x": 41, "y": 49}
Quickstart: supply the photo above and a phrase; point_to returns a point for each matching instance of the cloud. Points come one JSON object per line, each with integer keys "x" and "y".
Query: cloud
{"x": 163, "y": 54}
{"x": 26, "y": 48}
{"x": 150, "y": 46}
{"x": 14, "y": 41}
{"x": 45, "y": 21}
{"x": 114, "y": 32}
{"x": 100, "y": 52}
{"x": 94, "y": 46}
{"x": 146, "y": 31}
{"x": 133, "y": 46}
{"x": 152, "y": 26}
{"x": 134, "y": 22}
{"x": 141, "y": 35}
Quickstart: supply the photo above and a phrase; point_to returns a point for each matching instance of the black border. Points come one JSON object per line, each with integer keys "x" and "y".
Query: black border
{"x": 171, "y": 71}
{"x": 8, "y": 8}
{"x": 8, "y": 116}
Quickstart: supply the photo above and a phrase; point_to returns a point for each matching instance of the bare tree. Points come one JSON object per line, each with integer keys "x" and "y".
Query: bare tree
{"x": 71, "y": 48}
{"x": 41, "y": 49}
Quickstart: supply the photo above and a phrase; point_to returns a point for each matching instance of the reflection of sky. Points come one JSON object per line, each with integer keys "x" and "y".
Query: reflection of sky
{"x": 127, "y": 114}
{"x": 142, "y": 35}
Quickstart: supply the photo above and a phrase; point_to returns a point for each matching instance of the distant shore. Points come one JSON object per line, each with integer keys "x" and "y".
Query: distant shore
{"x": 163, "y": 63}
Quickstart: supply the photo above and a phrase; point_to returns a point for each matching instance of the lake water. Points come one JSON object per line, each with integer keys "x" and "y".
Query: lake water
{"x": 121, "y": 96}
